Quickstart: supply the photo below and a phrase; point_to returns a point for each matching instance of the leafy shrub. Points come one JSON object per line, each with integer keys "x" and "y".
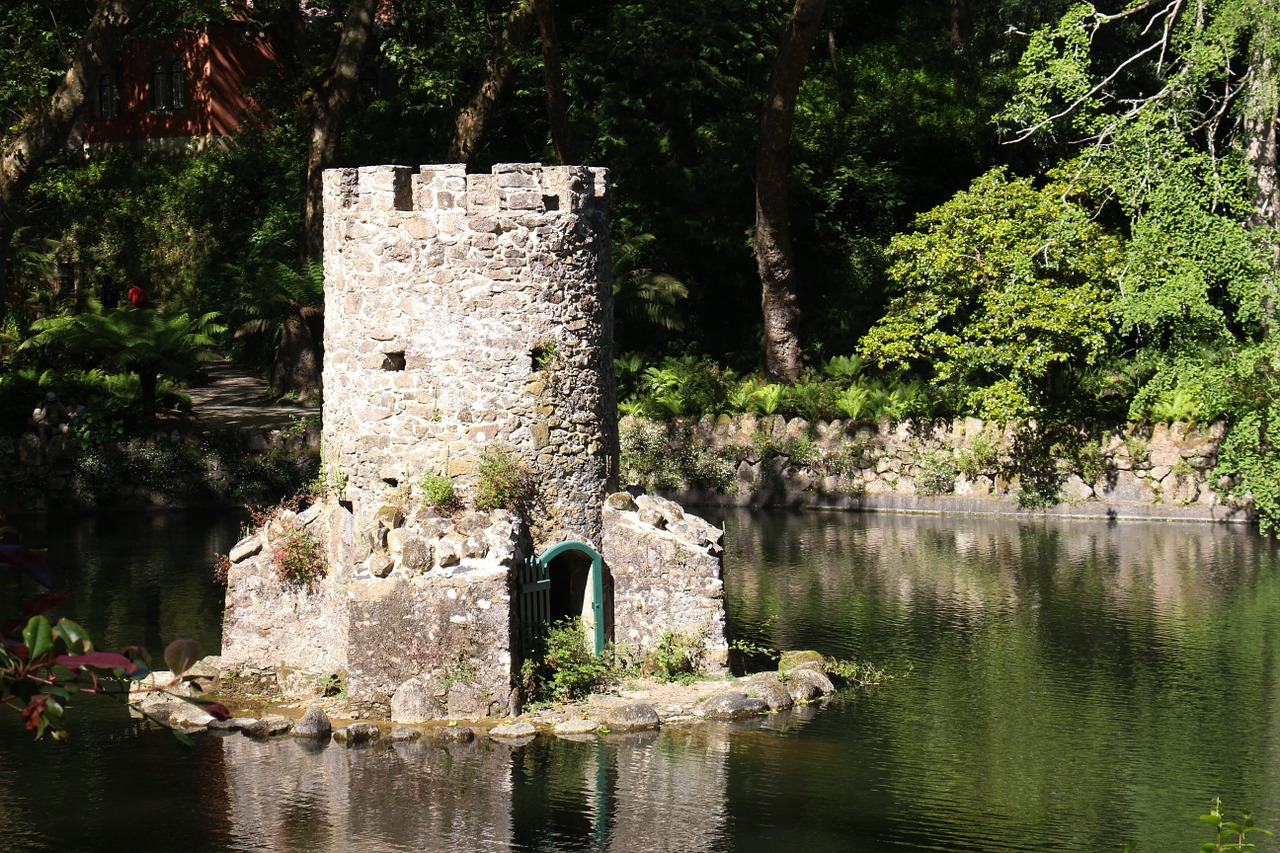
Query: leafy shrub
{"x": 504, "y": 483}
{"x": 646, "y": 458}
{"x": 936, "y": 473}
{"x": 857, "y": 403}
{"x": 978, "y": 457}
{"x": 296, "y": 557}
{"x": 563, "y": 668}
{"x": 1136, "y": 447}
{"x": 438, "y": 492}
{"x": 704, "y": 468}
{"x": 676, "y": 657}
{"x": 690, "y": 385}
{"x": 1090, "y": 463}
{"x": 1035, "y": 463}
{"x": 799, "y": 450}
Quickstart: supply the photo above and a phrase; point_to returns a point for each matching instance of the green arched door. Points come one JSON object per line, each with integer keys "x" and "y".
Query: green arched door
{"x": 567, "y": 581}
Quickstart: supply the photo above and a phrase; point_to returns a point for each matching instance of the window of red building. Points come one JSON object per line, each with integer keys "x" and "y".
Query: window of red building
{"x": 108, "y": 97}
{"x": 168, "y": 85}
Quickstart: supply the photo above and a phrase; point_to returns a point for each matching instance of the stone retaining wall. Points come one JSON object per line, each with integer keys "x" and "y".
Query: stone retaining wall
{"x": 167, "y": 470}
{"x": 1132, "y": 470}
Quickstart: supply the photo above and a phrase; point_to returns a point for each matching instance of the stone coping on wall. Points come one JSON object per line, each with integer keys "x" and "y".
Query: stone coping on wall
{"x": 959, "y": 505}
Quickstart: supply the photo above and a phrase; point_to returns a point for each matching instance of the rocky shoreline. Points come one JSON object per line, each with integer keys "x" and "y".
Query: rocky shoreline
{"x": 259, "y": 709}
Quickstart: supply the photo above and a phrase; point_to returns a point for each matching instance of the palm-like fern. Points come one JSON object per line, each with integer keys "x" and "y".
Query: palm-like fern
{"x": 642, "y": 293}
{"x": 137, "y": 341}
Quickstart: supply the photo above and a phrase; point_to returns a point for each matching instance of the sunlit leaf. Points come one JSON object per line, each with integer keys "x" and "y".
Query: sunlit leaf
{"x": 180, "y": 655}
{"x": 76, "y": 638}
{"x": 98, "y": 660}
{"x": 38, "y": 637}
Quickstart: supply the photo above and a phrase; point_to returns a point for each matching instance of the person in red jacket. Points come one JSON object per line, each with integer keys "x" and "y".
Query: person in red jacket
{"x": 137, "y": 296}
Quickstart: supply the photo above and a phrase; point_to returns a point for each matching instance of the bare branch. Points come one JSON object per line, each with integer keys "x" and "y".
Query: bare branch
{"x": 1035, "y": 128}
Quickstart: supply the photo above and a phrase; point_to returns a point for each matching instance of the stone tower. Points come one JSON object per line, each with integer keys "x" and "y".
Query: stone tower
{"x": 466, "y": 312}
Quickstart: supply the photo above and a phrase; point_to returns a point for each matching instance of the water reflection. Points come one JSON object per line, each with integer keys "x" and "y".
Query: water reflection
{"x": 651, "y": 791}
{"x": 1093, "y": 682}
{"x": 1063, "y": 686}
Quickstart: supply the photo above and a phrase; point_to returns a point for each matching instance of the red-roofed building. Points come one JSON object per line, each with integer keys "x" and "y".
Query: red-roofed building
{"x": 184, "y": 92}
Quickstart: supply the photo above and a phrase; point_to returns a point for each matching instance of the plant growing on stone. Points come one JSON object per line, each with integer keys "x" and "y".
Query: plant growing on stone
{"x": 438, "y": 493}
{"x": 676, "y": 657}
{"x": 296, "y": 557}
{"x": 1090, "y": 462}
{"x": 544, "y": 354}
{"x": 562, "y": 667}
{"x": 936, "y": 473}
{"x": 1136, "y": 447}
{"x": 706, "y": 468}
{"x": 503, "y": 483}
{"x": 646, "y": 458}
{"x": 980, "y": 456}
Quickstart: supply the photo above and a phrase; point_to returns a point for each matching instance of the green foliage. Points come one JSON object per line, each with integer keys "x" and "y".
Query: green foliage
{"x": 642, "y": 293}
{"x": 646, "y": 455}
{"x": 140, "y": 341}
{"x": 799, "y": 450}
{"x": 676, "y": 657}
{"x": 1247, "y": 456}
{"x": 979, "y": 457}
{"x": 650, "y": 458}
{"x": 685, "y": 386}
{"x": 1231, "y": 834}
{"x": 1035, "y": 453}
{"x": 936, "y": 472}
{"x": 1090, "y": 463}
{"x": 857, "y": 674}
{"x": 693, "y": 386}
{"x": 544, "y": 354}
{"x": 1136, "y": 448}
{"x": 438, "y": 493}
{"x": 503, "y": 483}
{"x": 563, "y": 668}
{"x": 1005, "y": 292}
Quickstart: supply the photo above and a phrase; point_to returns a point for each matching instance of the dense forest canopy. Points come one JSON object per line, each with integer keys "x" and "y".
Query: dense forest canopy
{"x": 1058, "y": 211}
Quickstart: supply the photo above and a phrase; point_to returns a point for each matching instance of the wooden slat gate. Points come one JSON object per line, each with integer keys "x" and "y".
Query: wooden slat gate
{"x": 533, "y": 602}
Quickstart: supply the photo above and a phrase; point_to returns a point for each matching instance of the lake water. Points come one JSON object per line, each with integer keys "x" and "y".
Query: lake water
{"x": 1060, "y": 686}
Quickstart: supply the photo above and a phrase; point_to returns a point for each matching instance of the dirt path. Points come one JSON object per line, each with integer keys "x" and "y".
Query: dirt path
{"x": 236, "y": 399}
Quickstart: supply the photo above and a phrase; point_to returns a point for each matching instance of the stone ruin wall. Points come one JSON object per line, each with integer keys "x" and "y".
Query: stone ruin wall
{"x": 471, "y": 311}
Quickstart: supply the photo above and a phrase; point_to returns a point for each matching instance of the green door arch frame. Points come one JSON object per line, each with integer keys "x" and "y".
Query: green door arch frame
{"x": 597, "y": 583}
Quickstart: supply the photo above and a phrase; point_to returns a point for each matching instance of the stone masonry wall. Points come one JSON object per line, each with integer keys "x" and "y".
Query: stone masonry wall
{"x": 667, "y": 576}
{"x": 465, "y": 312}
{"x": 431, "y": 602}
{"x": 1131, "y": 470}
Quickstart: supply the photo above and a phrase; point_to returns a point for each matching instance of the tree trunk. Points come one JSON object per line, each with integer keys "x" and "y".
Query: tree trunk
{"x": 297, "y": 364}
{"x": 44, "y": 133}
{"x": 1261, "y": 115}
{"x": 469, "y": 128}
{"x": 148, "y": 381}
{"x": 332, "y": 105}
{"x": 774, "y": 259}
{"x": 553, "y": 82}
